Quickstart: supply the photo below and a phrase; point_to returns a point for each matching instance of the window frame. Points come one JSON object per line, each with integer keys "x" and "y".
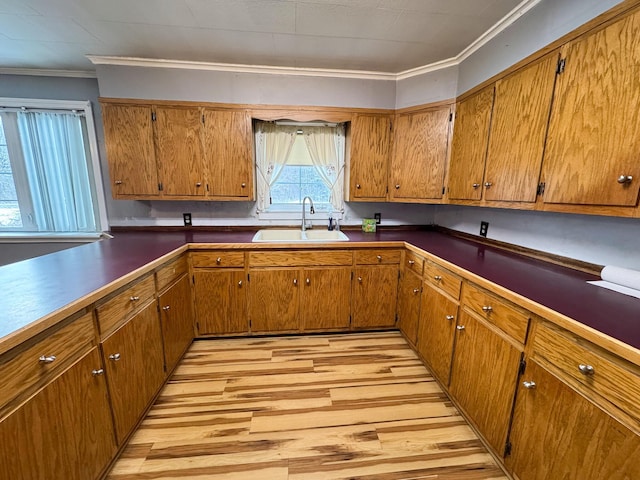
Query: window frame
{"x": 84, "y": 106}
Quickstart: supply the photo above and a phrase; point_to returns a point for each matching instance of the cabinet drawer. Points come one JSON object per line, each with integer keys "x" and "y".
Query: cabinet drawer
{"x": 217, "y": 259}
{"x": 112, "y": 312}
{"x": 377, "y": 257}
{"x": 509, "y": 318}
{"x": 167, "y": 274}
{"x": 38, "y": 364}
{"x": 300, "y": 258}
{"x": 413, "y": 262}
{"x": 443, "y": 279}
{"x": 584, "y": 367}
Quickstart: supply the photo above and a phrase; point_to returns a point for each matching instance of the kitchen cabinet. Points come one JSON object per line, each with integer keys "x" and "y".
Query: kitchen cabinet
{"x": 368, "y": 156}
{"x": 228, "y": 154}
{"x": 409, "y": 291}
{"x": 469, "y": 146}
{"x": 325, "y": 301}
{"x": 179, "y": 151}
{"x": 275, "y": 299}
{"x": 419, "y": 155}
{"x": 375, "y": 289}
{"x": 134, "y": 365}
{"x": 558, "y": 433}
{"x": 128, "y": 133}
{"x": 220, "y": 292}
{"x": 176, "y": 317}
{"x": 591, "y": 157}
{"x": 64, "y": 431}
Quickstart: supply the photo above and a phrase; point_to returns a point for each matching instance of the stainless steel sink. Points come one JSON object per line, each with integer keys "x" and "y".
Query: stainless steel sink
{"x": 291, "y": 235}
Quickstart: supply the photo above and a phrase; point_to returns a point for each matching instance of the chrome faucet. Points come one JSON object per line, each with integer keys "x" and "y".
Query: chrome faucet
{"x": 311, "y": 211}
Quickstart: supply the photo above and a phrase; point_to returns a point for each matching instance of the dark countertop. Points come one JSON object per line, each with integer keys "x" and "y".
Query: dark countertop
{"x": 40, "y": 287}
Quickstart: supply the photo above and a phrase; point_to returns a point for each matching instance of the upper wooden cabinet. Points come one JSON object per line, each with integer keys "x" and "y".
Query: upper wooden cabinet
{"x": 368, "y": 157}
{"x": 128, "y": 133}
{"x": 228, "y": 153}
{"x": 419, "y": 155}
{"x": 592, "y": 149}
{"x": 469, "y": 146}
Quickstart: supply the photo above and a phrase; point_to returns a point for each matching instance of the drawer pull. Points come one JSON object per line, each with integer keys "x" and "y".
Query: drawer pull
{"x": 360, "y": 279}
{"x": 357, "y": 185}
{"x": 487, "y": 308}
{"x": 625, "y": 179}
{"x": 308, "y": 281}
{"x": 488, "y": 184}
{"x": 586, "y": 369}
{"x": 97, "y": 372}
{"x": 243, "y": 185}
{"x": 166, "y": 307}
{"x": 450, "y": 317}
{"x": 295, "y": 281}
{"x": 397, "y": 186}
{"x": 416, "y": 290}
{"x": 114, "y": 356}
{"x": 118, "y": 182}
{"x": 476, "y": 185}
{"x": 240, "y": 283}
{"x": 47, "y": 359}
{"x": 379, "y": 257}
{"x": 437, "y": 278}
{"x": 460, "y": 327}
{"x": 412, "y": 262}
{"x": 529, "y": 385}
{"x": 218, "y": 260}
{"x": 134, "y": 299}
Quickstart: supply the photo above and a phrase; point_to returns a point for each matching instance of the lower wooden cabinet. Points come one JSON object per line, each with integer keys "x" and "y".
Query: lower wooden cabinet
{"x": 438, "y": 317}
{"x": 484, "y": 375}
{"x": 409, "y": 291}
{"x": 374, "y": 296}
{"x": 275, "y": 299}
{"x": 557, "y": 433}
{"x": 65, "y": 431}
{"x": 176, "y": 316}
{"x": 221, "y": 301}
{"x": 325, "y": 298}
{"x": 134, "y": 365}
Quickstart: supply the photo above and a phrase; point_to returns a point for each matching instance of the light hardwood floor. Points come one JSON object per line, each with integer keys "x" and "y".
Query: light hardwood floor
{"x": 357, "y": 406}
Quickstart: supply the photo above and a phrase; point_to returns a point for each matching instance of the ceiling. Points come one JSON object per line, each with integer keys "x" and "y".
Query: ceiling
{"x": 371, "y": 35}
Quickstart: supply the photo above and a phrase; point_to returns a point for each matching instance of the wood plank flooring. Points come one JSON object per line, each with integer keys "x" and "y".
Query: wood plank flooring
{"x": 357, "y": 406}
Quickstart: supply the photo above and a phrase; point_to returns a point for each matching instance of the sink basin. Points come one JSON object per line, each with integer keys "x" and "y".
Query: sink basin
{"x": 293, "y": 236}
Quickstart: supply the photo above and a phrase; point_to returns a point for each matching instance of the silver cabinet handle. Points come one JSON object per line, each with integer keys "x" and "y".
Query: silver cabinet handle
{"x": 360, "y": 279}
{"x": 218, "y": 260}
{"x": 97, "y": 372}
{"x": 397, "y": 186}
{"x": 379, "y": 257}
{"x": 460, "y": 327}
{"x": 295, "y": 281}
{"x": 625, "y": 179}
{"x": 166, "y": 307}
{"x": 243, "y": 185}
{"x": 488, "y": 184}
{"x": 357, "y": 185}
{"x": 487, "y": 308}
{"x": 529, "y": 385}
{"x": 134, "y": 299}
{"x": 586, "y": 369}
{"x": 47, "y": 359}
{"x": 240, "y": 283}
{"x": 114, "y": 356}
{"x": 476, "y": 185}
{"x": 450, "y": 317}
{"x": 308, "y": 281}
{"x": 437, "y": 278}
{"x": 199, "y": 184}
{"x": 411, "y": 262}
{"x": 118, "y": 182}
{"x": 416, "y": 290}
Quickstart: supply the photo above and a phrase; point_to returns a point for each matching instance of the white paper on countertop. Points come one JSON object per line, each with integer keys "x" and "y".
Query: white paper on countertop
{"x": 619, "y": 279}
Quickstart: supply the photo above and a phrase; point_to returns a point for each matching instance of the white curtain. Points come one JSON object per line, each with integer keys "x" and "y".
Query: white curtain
{"x": 55, "y": 158}
{"x": 273, "y": 147}
{"x": 326, "y": 148}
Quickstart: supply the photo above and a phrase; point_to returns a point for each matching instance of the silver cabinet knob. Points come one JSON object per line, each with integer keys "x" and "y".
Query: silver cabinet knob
{"x": 379, "y": 257}
{"x": 529, "y": 385}
{"x": 166, "y": 307}
{"x": 134, "y": 299}
{"x": 118, "y": 182}
{"x": 437, "y": 278}
{"x": 397, "y": 186}
{"x": 295, "y": 281}
{"x": 411, "y": 262}
{"x": 488, "y": 184}
{"x": 97, "y": 372}
{"x": 308, "y": 281}
{"x": 450, "y": 317}
{"x": 357, "y": 185}
{"x": 460, "y": 327}
{"x": 198, "y": 184}
{"x": 243, "y": 184}
{"x": 586, "y": 369}
{"x": 218, "y": 260}
{"x": 114, "y": 356}
{"x": 476, "y": 185}
{"x": 487, "y": 308}
{"x": 240, "y": 283}
{"x": 360, "y": 279}
{"x": 47, "y": 359}
{"x": 416, "y": 290}
{"x": 625, "y": 179}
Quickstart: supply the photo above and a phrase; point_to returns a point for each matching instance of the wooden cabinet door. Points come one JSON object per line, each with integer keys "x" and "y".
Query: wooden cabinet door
{"x": 135, "y": 368}
{"x": 176, "y": 315}
{"x": 469, "y": 146}
{"x": 228, "y": 153}
{"x": 437, "y": 331}
{"x": 594, "y": 131}
{"x": 518, "y": 130}
{"x": 325, "y": 298}
{"x": 374, "y": 297}
{"x": 128, "y": 135}
{"x": 221, "y": 301}
{"x": 274, "y": 299}
{"x": 409, "y": 290}
{"x": 483, "y": 378}
{"x": 420, "y": 155}
{"x": 557, "y": 433}
{"x": 369, "y": 157}
{"x": 179, "y": 151}
{"x": 65, "y": 431}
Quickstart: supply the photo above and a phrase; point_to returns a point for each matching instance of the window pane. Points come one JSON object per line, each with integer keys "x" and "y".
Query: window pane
{"x": 9, "y": 208}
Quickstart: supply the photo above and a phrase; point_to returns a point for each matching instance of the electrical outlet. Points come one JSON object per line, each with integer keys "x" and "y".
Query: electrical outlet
{"x": 187, "y": 219}
{"x": 484, "y": 228}
{"x": 378, "y": 217}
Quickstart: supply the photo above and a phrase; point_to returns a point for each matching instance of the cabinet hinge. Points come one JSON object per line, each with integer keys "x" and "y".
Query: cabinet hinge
{"x": 507, "y": 449}
{"x": 451, "y": 116}
{"x": 248, "y": 277}
{"x": 540, "y": 189}
{"x": 250, "y": 325}
{"x": 351, "y": 274}
{"x": 203, "y": 118}
{"x": 160, "y": 186}
{"x": 561, "y": 65}
{"x": 153, "y": 116}
{"x": 523, "y": 366}
{"x": 444, "y": 189}
{"x": 193, "y": 279}
{"x": 391, "y": 125}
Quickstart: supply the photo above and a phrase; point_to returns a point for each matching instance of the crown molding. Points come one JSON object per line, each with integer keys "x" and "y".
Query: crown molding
{"x": 41, "y": 72}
